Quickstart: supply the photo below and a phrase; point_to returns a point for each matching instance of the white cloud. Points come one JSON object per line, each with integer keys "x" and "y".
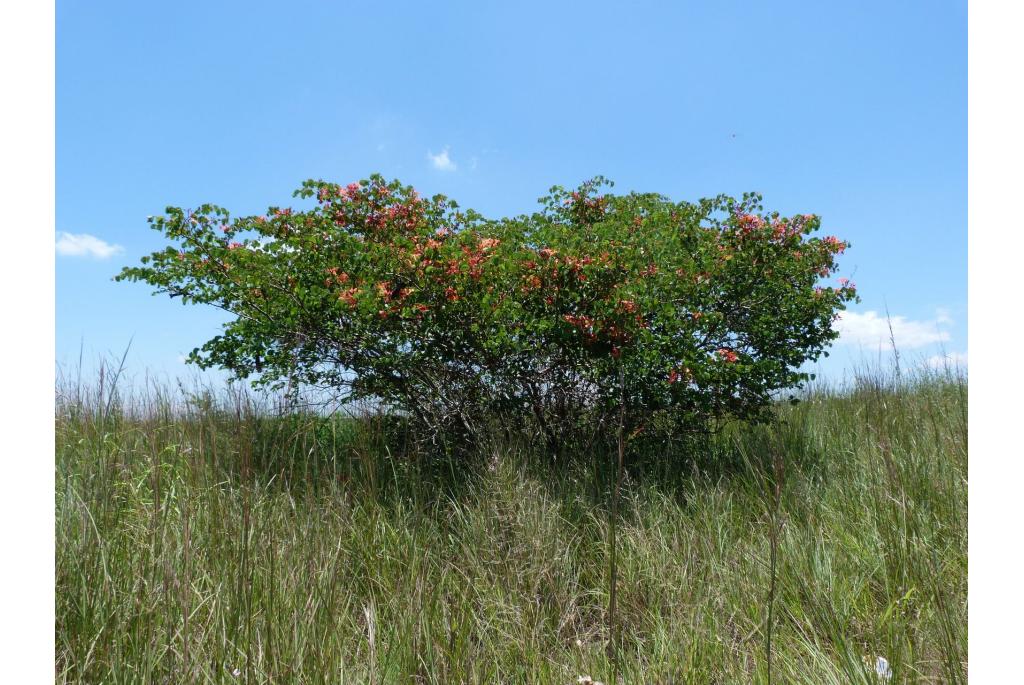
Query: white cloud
{"x": 85, "y": 245}
{"x": 952, "y": 360}
{"x": 441, "y": 161}
{"x": 871, "y": 330}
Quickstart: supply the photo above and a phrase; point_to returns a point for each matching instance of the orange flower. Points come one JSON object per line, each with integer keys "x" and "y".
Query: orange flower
{"x": 348, "y": 296}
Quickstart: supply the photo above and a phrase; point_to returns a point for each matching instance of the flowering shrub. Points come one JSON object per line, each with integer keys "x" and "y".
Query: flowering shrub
{"x": 708, "y": 308}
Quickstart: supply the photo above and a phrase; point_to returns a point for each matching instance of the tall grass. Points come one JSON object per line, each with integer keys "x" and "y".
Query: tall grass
{"x": 202, "y": 538}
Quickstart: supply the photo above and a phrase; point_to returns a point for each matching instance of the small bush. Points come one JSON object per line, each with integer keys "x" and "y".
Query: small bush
{"x": 704, "y": 309}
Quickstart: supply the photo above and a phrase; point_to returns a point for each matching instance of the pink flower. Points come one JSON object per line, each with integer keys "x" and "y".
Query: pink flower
{"x": 834, "y": 244}
{"x": 749, "y": 222}
{"x": 234, "y": 245}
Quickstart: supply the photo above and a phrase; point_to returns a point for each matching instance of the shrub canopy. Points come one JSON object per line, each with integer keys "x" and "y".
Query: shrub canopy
{"x": 708, "y": 308}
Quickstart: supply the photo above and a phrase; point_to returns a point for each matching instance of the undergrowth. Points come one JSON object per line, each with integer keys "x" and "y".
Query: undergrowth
{"x": 202, "y": 537}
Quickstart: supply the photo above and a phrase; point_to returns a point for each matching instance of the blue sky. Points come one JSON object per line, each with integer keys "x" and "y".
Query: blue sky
{"x": 854, "y": 111}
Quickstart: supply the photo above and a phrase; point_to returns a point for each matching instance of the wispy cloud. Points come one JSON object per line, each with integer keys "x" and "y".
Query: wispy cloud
{"x": 871, "y": 330}
{"x": 441, "y": 161}
{"x": 85, "y": 245}
{"x": 952, "y": 360}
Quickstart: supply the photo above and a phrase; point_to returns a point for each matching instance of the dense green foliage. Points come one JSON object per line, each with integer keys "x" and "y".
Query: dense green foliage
{"x": 212, "y": 539}
{"x": 708, "y": 308}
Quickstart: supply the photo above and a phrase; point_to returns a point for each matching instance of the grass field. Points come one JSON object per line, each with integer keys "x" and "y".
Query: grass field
{"x": 215, "y": 543}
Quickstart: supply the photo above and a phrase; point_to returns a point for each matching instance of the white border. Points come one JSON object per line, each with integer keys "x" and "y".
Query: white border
{"x": 996, "y": 470}
{"x": 27, "y": 42}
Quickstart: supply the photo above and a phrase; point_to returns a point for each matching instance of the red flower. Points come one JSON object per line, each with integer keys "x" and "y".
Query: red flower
{"x": 728, "y": 355}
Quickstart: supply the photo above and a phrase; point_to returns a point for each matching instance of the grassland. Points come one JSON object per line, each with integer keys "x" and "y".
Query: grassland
{"x": 212, "y": 542}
